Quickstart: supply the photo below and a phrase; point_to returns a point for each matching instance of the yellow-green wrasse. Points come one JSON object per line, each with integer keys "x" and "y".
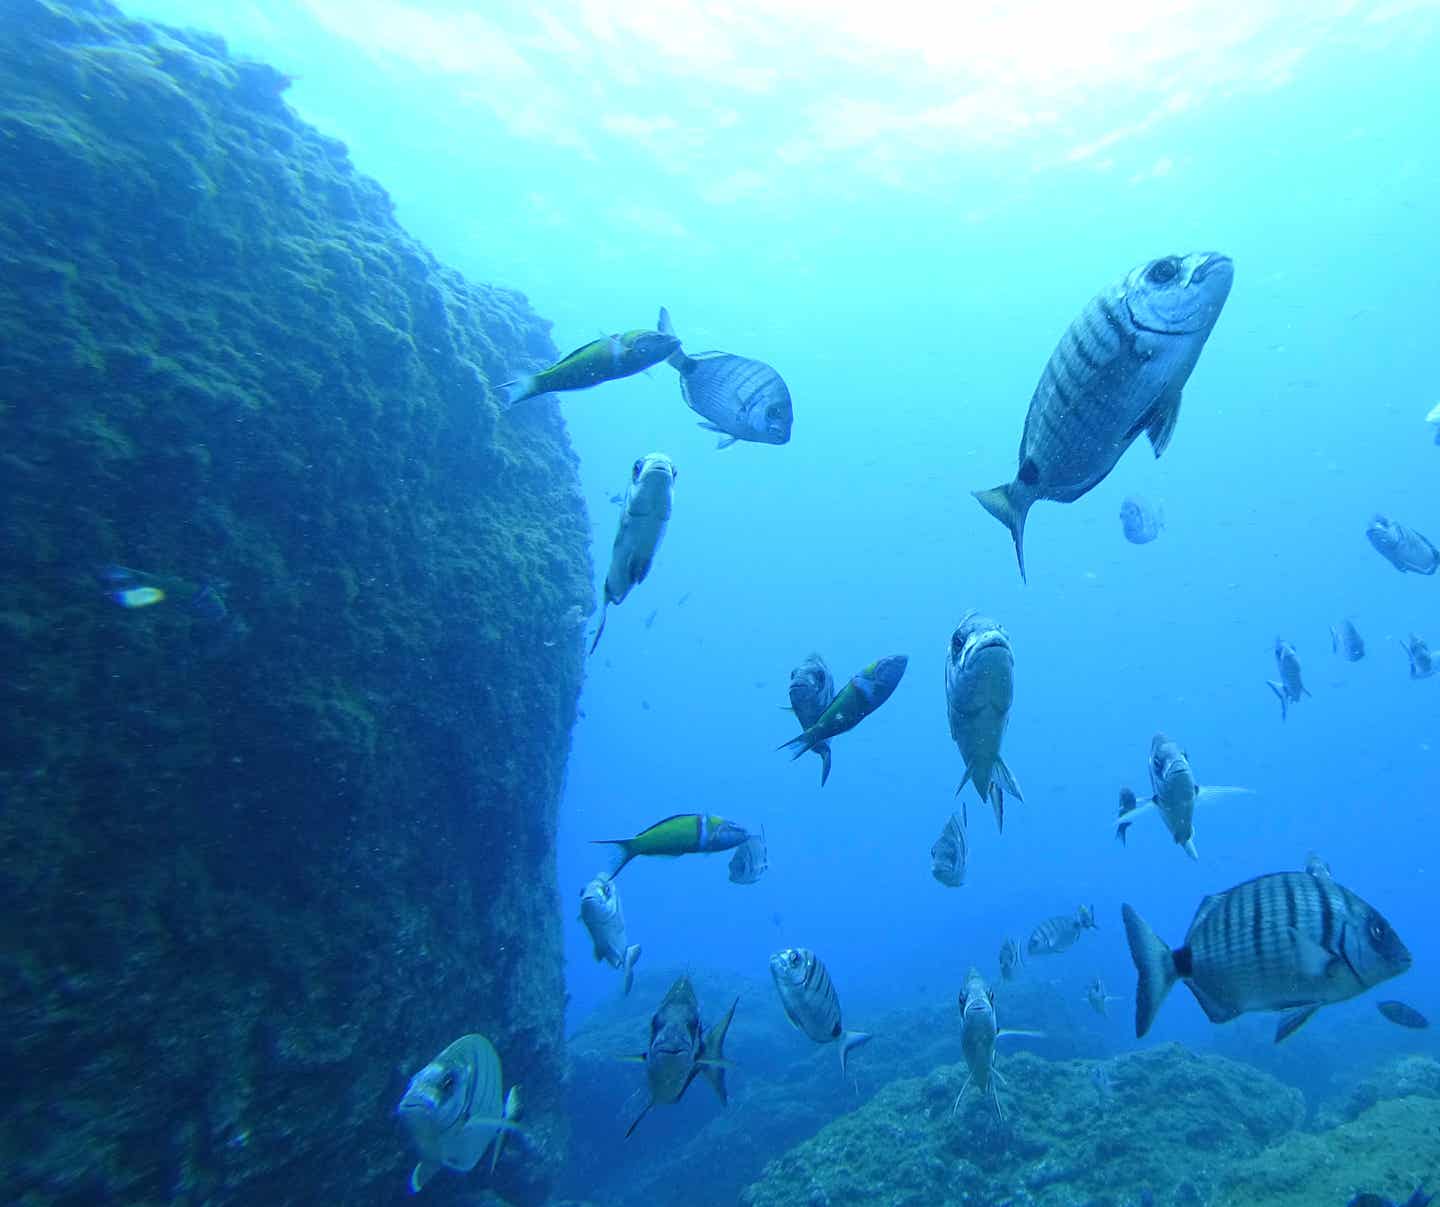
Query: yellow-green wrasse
{"x": 606, "y": 359}
{"x": 809, "y": 999}
{"x": 682, "y": 834}
{"x": 1292, "y": 941}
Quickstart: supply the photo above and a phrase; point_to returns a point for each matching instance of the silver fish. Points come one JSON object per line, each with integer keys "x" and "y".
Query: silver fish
{"x": 1434, "y": 417}
{"x": 809, "y": 999}
{"x": 1422, "y": 664}
{"x": 1291, "y": 941}
{"x": 1061, "y": 932}
{"x": 979, "y": 689}
{"x": 453, "y": 1110}
{"x": 1174, "y": 794}
{"x": 680, "y": 1048}
{"x": 1289, "y": 690}
{"x": 979, "y": 1029}
{"x": 812, "y": 687}
{"x": 1118, "y": 371}
{"x": 604, "y": 918}
{"x": 642, "y": 526}
{"x": 1346, "y": 641}
{"x": 1012, "y": 957}
{"x": 1402, "y": 547}
{"x": 1098, "y": 999}
{"x": 948, "y": 855}
{"x": 740, "y": 398}
{"x": 1140, "y": 520}
{"x": 750, "y": 861}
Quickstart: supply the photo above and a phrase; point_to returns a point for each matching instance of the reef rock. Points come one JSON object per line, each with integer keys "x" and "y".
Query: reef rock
{"x": 1080, "y": 1131}
{"x": 271, "y": 843}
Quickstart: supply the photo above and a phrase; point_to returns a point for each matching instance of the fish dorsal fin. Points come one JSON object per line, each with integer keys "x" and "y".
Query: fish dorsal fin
{"x": 1162, "y": 422}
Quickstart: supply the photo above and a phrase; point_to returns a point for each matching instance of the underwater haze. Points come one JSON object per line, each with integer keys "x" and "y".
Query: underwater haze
{"x": 901, "y": 207}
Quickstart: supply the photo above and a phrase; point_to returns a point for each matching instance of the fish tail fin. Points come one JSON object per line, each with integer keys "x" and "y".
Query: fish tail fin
{"x": 802, "y": 744}
{"x": 677, "y": 359}
{"x": 1279, "y": 691}
{"x": 1334, "y": 641}
{"x": 712, "y": 1051}
{"x": 627, "y": 852}
{"x": 645, "y": 1110}
{"x": 1009, "y": 506}
{"x": 1155, "y": 965}
{"x": 823, "y": 750}
{"x": 848, "y": 1043}
{"x": 964, "y": 779}
{"x": 1127, "y": 805}
{"x": 518, "y": 390}
{"x": 604, "y": 615}
{"x": 632, "y": 957}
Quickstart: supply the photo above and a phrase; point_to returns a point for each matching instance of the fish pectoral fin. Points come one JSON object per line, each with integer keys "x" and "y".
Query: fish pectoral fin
{"x": 711, "y": 1063}
{"x": 1293, "y": 1021}
{"x": 726, "y": 441}
{"x": 1215, "y": 793}
{"x": 632, "y": 1059}
{"x": 1018, "y": 1033}
{"x": 1162, "y": 422}
{"x": 421, "y": 1174}
{"x": 644, "y": 1111}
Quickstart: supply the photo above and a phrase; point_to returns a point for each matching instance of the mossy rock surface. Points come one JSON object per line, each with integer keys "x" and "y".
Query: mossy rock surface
{"x": 258, "y": 872}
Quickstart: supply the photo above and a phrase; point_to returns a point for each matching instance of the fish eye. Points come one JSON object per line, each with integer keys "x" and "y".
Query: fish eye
{"x": 635, "y": 471}
{"x": 1163, "y": 270}
{"x": 1377, "y": 930}
{"x": 794, "y": 959}
{"x": 957, "y": 641}
{"x": 447, "y": 1083}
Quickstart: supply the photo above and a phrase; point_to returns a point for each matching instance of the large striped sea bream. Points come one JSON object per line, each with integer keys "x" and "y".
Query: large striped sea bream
{"x": 810, "y": 1001}
{"x": 739, "y": 398}
{"x": 1118, "y": 371}
{"x": 1291, "y": 941}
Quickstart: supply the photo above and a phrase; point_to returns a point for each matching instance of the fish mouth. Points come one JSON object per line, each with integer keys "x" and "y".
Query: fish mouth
{"x": 980, "y": 642}
{"x": 1214, "y": 263}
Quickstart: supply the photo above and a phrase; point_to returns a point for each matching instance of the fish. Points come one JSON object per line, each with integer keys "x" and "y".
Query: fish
{"x": 1434, "y": 417}
{"x": 1286, "y": 941}
{"x": 1402, "y": 1015}
{"x": 641, "y": 529}
{"x": 1140, "y": 520}
{"x": 979, "y": 1029}
{"x": 1289, "y": 690}
{"x": 1346, "y": 641}
{"x": 1098, "y": 999}
{"x": 750, "y": 861}
{"x": 948, "y": 855}
{"x": 1174, "y": 794}
{"x": 1422, "y": 664}
{"x": 738, "y": 398}
{"x": 979, "y": 689}
{"x": 867, "y": 689}
{"x": 604, "y": 918}
{"x": 453, "y": 1111}
{"x": 1402, "y": 547}
{"x": 1418, "y": 1199}
{"x": 809, "y": 1000}
{"x": 1012, "y": 957}
{"x": 1118, "y": 370}
{"x": 681, "y": 1048}
{"x": 607, "y": 359}
{"x": 812, "y": 688}
{"x": 1061, "y": 932}
{"x": 137, "y": 597}
{"x": 680, "y": 834}
{"x": 650, "y": 619}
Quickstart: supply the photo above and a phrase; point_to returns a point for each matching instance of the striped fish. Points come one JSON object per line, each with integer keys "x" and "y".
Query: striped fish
{"x": 1290, "y": 689}
{"x": 1291, "y": 941}
{"x": 1061, "y": 932}
{"x": 739, "y": 398}
{"x": 812, "y": 687}
{"x": 979, "y": 690}
{"x": 948, "y": 855}
{"x": 1402, "y": 547}
{"x": 1117, "y": 371}
{"x": 810, "y": 1001}
{"x": 1011, "y": 958}
{"x": 1422, "y": 662}
{"x": 1346, "y": 641}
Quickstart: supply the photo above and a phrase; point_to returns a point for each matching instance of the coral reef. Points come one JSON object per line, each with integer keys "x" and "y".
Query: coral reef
{"x": 255, "y": 874}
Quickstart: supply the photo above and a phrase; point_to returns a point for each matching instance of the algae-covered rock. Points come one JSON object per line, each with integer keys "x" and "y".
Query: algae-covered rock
{"x": 1076, "y": 1132}
{"x": 258, "y": 867}
{"x": 1388, "y": 1150}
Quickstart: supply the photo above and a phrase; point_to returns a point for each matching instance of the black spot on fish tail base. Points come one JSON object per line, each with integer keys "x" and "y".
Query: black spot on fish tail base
{"x": 1184, "y": 961}
{"x": 1029, "y": 472}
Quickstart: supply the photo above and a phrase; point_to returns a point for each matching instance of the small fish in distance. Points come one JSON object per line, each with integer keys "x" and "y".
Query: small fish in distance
{"x": 1402, "y": 547}
{"x": 1141, "y": 520}
{"x": 948, "y": 855}
{"x": 1290, "y": 689}
{"x": 1346, "y": 641}
{"x": 1060, "y": 933}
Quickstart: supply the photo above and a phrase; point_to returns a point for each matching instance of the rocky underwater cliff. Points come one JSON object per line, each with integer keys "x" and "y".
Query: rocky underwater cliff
{"x": 287, "y": 704}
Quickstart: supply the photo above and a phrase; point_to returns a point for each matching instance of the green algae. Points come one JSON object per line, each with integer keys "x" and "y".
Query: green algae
{"x": 250, "y": 888}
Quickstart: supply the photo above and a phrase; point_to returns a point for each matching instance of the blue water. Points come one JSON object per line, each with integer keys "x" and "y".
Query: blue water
{"x": 903, "y": 217}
